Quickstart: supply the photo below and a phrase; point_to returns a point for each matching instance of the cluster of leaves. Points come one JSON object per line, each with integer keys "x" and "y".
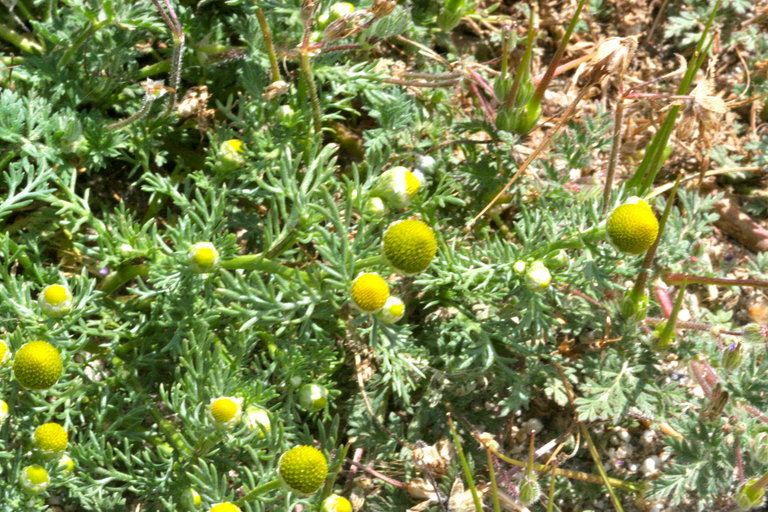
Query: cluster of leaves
{"x": 149, "y": 342}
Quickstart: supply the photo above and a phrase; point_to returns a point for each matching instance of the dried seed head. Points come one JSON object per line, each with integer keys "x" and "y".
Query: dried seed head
{"x": 610, "y": 58}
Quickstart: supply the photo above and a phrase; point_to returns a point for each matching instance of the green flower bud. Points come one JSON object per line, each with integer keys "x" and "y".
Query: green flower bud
{"x": 230, "y": 155}
{"x": 557, "y": 259}
{"x": 530, "y": 491}
{"x": 451, "y": 14}
{"x": 527, "y": 117}
{"x": 398, "y": 186}
{"x": 755, "y": 334}
{"x": 313, "y": 397}
{"x": 257, "y": 420}
{"x": 502, "y": 85}
{"x": 537, "y": 277}
{"x": 519, "y": 267}
{"x": 760, "y": 447}
{"x": 393, "y": 310}
{"x": 749, "y": 496}
{"x": 732, "y": 357}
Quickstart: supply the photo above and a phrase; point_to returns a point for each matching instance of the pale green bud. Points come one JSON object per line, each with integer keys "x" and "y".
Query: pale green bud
{"x": 749, "y": 496}
{"x": 313, "y": 397}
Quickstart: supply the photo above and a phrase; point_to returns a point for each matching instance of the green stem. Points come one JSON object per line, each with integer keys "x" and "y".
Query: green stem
{"x": 494, "y": 487}
{"x": 665, "y": 337}
{"x": 262, "y": 264}
{"x": 155, "y": 69}
{"x": 569, "y": 473}
{"x": 258, "y": 491}
{"x": 539, "y": 94}
{"x": 369, "y": 262}
{"x": 117, "y": 279}
{"x": 654, "y": 155}
{"x": 636, "y": 295}
{"x": 465, "y": 466}
{"x": 79, "y": 41}
{"x": 599, "y": 465}
{"x": 306, "y": 70}
{"x": 268, "y": 43}
{"x": 22, "y": 42}
{"x": 674, "y": 279}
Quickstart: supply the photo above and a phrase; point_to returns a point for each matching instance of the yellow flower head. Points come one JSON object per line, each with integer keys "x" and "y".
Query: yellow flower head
{"x": 34, "y": 479}
{"x": 50, "y": 439}
{"x": 303, "y": 469}
{"x": 393, "y": 310}
{"x": 37, "y": 365}
{"x": 369, "y": 292}
{"x": 409, "y": 245}
{"x": 632, "y": 227}
{"x": 203, "y": 257}
{"x": 191, "y": 498}
{"x": 55, "y": 300}
{"x": 226, "y": 411}
{"x": 313, "y": 397}
{"x": 257, "y": 419}
{"x": 225, "y": 507}
{"x": 5, "y": 352}
{"x": 336, "y": 503}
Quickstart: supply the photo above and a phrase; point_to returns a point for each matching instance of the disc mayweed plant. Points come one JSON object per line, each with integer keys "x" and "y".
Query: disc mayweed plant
{"x": 50, "y": 439}
{"x": 303, "y": 469}
{"x": 409, "y": 246}
{"x": 632, "y": 227}
{"x": 37, "y": 365}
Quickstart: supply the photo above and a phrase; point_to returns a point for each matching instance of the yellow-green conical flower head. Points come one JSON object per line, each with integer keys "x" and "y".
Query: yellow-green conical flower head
{"x": 632, "y": 227}
{"x": 369, "y": 292}
{"x": 303, "y": 469}
{"x": 225, "y": 507}
{"x": 50, "y": 439}
{"x": 409, "y": 245}
{"x": 3, "y": 411}
{"x": 56, "y": 300}
{"x": 226, "y": 411}
{"x": 203, "y": 257}
{"x": 336, "y": 503}
{"x": 37, "y": 365}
